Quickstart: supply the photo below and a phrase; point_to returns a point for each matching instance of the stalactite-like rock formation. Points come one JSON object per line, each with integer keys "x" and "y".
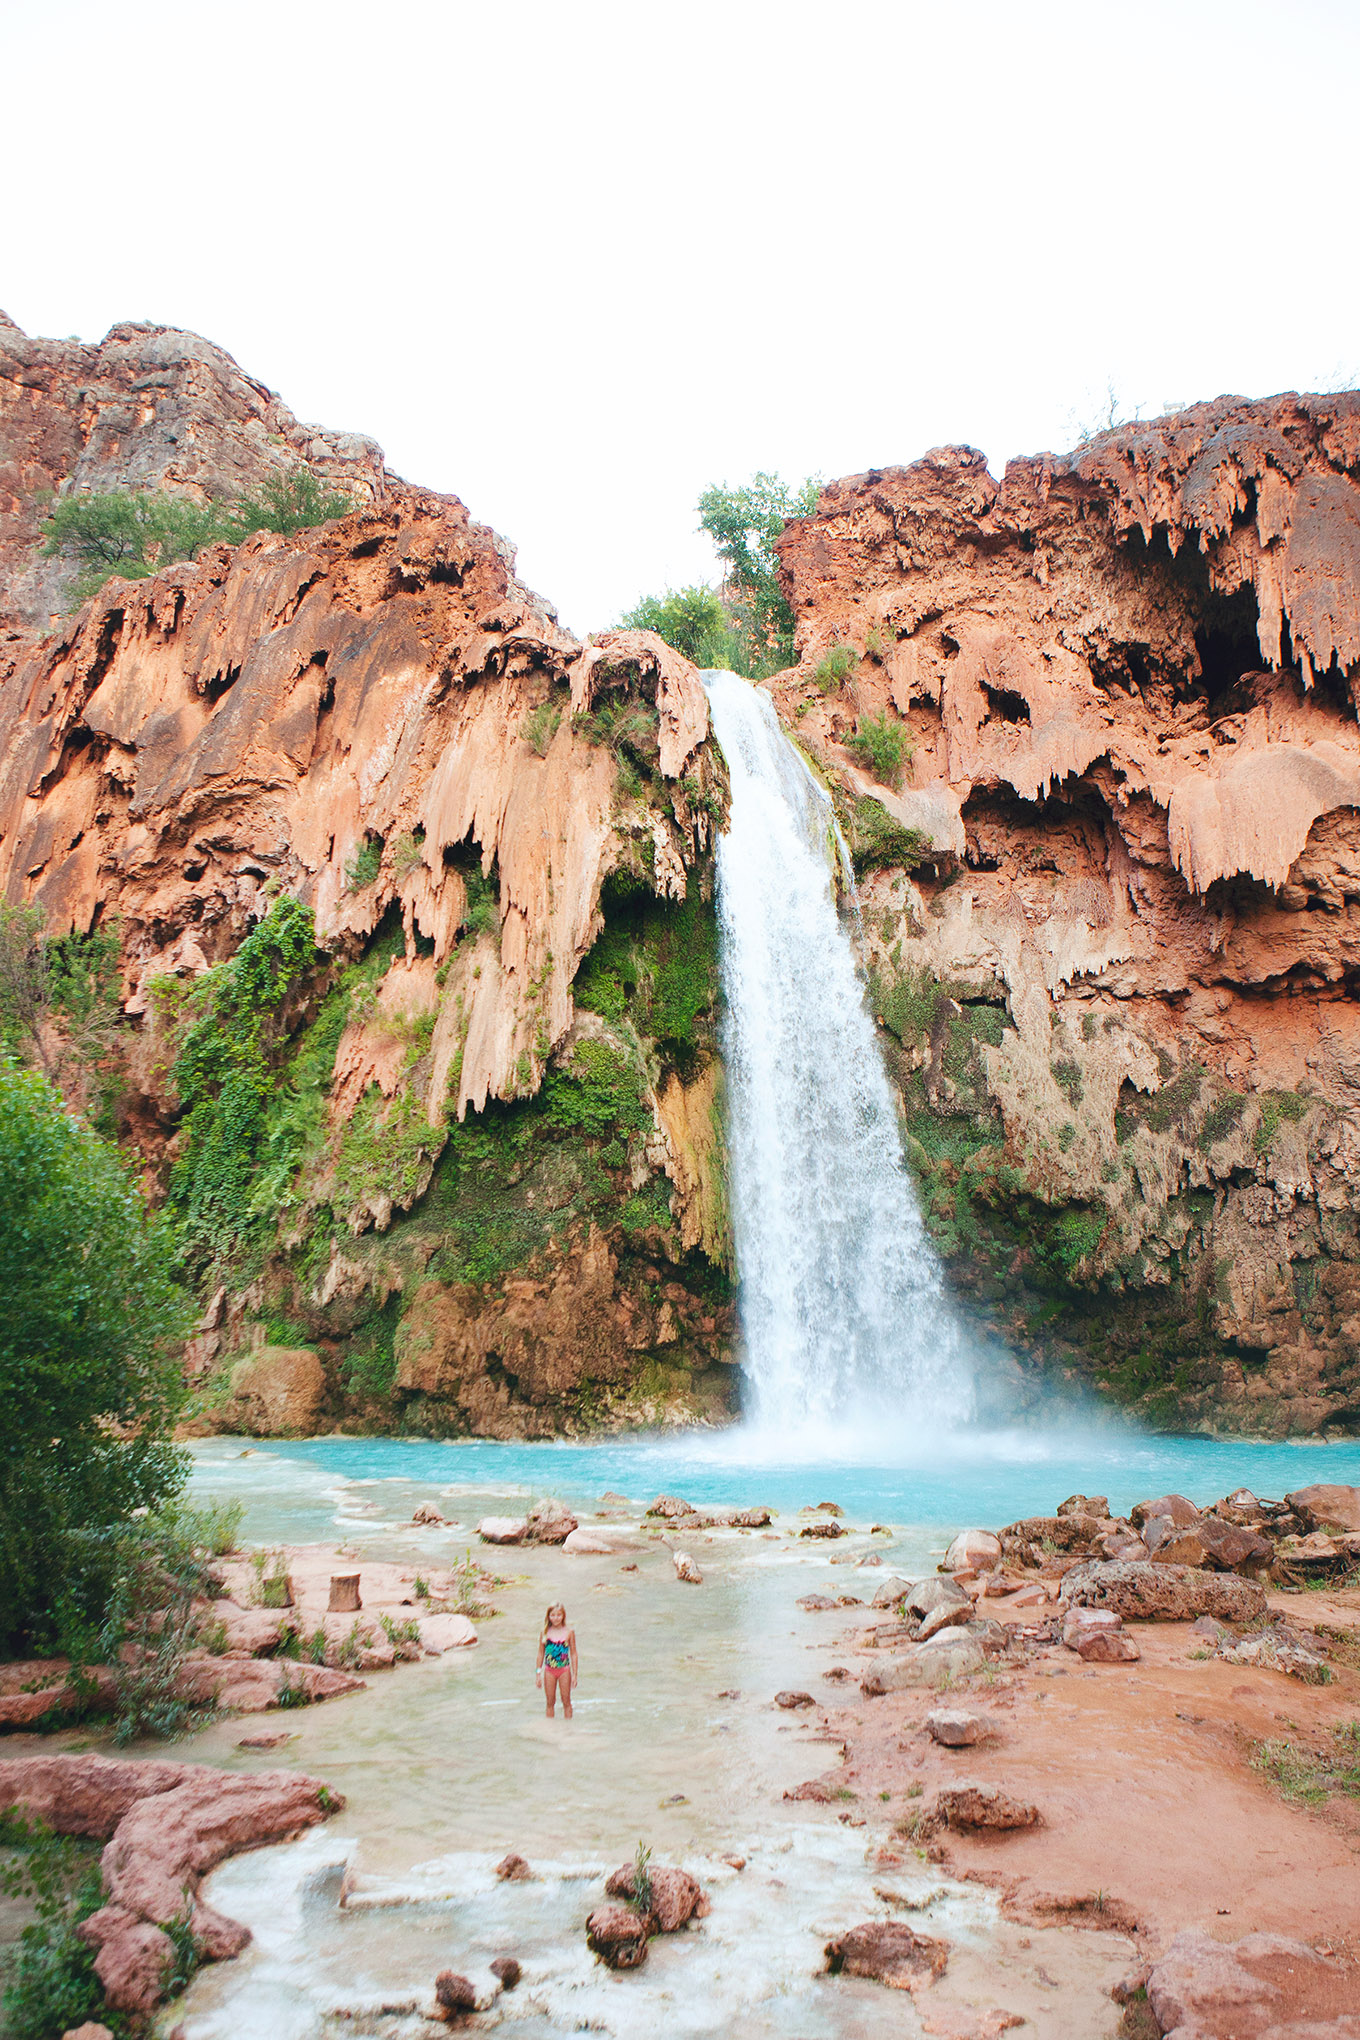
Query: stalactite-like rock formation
{"x": 1113, "y": 902}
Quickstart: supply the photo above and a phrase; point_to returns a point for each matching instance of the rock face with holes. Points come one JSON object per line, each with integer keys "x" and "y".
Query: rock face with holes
{"x": 1097, "y": 756}
{"x": 511, "y": 1216}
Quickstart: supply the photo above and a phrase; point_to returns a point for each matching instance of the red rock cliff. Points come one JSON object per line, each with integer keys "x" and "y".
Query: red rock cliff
{"x": 1117, "y": 959}
{"x": 375, "y": 718}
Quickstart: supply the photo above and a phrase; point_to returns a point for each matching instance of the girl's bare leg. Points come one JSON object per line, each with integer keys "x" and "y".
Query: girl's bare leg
{"x": 550, "y": 1693}
{"x": 564, "y": 1685}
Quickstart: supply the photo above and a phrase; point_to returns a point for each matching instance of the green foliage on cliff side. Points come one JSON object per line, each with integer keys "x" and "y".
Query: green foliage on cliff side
{"x": 877, "y": 840}
{"x": 59, "y": 1004}
{"x": 656, "y": 964}
{"x": 882, "y": 747}
{"x": 225, "y": 1074}
{"x": 89, "y": 1377}
{"x": 136, "y": 532}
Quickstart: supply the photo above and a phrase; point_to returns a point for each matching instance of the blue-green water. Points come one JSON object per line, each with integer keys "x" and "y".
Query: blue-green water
{"x": 978, "y": 1479}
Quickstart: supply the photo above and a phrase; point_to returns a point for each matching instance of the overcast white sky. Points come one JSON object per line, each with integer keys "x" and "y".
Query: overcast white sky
{"x": 575, "y": 262}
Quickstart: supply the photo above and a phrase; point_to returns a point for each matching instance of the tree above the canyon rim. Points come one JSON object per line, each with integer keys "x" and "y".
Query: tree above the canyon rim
{"x": 90, "y": 1382}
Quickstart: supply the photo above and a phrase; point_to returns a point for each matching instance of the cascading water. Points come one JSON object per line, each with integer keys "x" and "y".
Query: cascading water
{"x": 843, "y": 1309}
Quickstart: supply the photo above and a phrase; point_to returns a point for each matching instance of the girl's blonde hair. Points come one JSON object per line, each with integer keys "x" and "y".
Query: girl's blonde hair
{"x": 548, "y": 1617}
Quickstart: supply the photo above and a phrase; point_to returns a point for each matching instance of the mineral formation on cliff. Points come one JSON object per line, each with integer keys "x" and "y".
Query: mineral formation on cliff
{"x": 1111, "y": 887}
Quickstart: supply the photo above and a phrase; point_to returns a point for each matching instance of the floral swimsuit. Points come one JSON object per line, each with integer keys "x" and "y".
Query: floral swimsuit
{"x": 556, "y": 1656}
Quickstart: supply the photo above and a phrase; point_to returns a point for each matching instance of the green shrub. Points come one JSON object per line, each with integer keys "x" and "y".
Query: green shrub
{"x": 1276, "y": 1106}
{"x": 364, "y": 865}
{"x": 695, "y": 622}
{"x": 50, "y": 1984}
{"x": 540, "y": 726}
{"x": 483, "y": 916}
{"x": 290, "y": 502}
{"x": 1220, "y": 1119}
{"x": 876, "y": 840}
{"x": 136, "y": 532}
{"x": 834, "y": 668}
{"x": 128, "y": 532}
{"x": 881, "y": 746}
{"x": 226, "y": 1079}
{"x": 90, "y": 1385}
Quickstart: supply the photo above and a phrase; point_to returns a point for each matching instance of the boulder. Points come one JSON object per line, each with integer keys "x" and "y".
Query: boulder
{"x": 955, "y": 1729}
{"x": 923, "y": 1597}
{"x": 973, "y": 1551}
{"x": 1233, "y": 1547}
{"x": 686, "y": 1569}
{"x": 815, "y": 1603}
{"x": 254, "y": 1630}
{"x": 949, "y": 1615}
{"x": 503, "y": 1529}
{"x": 506, "y": 1971}
{"x": 1181, "y": 1512}
{"x": 1262, "y": 1985}
{"x": 446, "y": 1632}
{"x": 1327, "y": 1507}
{"x": 1079, "y": 1621}
{"x": 751, "y": 1519}
{"x": 1143, "y": 1592}
{"x": 278, "y": 1392}
{"x": 887, "y": 1951}
{"x": 827, "y": 1526}
{"x": 952, "y": 1655}
{"x": 1172, "y": 1543}
{"x": 513, "y": 1869}
{"x": 1121, "y": 1542}
{"x": 981, "y": 1806}
{"x": 454, "y": 1995}
{"x": 1212, "y": 1630}
{"x": 550, "y": 1523}
{"x": 788, "y": 1698}
{"x": 1105, "y": 1647}
{"x": 617, "y": 1935}
{"x": 1085, "y": 1505}
{"x": 669, "y": 1507}
{"x": 589, "y": 1543}
{"x": 891, "y": 1591}
{"x": 677, "y": 1897}
{"x": 89, "y": 2031}
{"x": 427, "y": 1512}
{"x": 1280, "y": 1649}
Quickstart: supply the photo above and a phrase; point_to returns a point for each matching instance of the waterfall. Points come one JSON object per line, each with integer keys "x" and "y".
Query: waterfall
{"x": 843, "y": 1310}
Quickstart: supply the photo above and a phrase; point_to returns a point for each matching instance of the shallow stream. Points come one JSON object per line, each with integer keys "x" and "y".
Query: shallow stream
{"x": 448, "y": 1764}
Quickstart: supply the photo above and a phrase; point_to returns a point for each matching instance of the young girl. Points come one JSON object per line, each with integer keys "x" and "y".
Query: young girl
{"x": 558, "y": 1666}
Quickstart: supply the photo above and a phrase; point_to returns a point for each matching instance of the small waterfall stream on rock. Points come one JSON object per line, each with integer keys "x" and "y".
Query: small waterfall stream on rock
{"x": 843, "y": 1307}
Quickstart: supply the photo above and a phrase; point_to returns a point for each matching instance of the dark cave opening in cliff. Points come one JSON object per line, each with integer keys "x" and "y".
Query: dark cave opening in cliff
{"x": 1227, "y": 642}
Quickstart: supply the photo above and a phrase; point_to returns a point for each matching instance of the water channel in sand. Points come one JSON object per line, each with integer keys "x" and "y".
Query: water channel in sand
{"x": 448, "y": 1764}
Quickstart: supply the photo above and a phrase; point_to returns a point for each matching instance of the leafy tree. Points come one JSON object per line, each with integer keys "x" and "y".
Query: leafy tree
{"x": 695, "y": 622}
{"x": 136, "y": 532}
{"x": 744, "y": 525}
{"x": 287, "y": 503}
{"x": 50, "y": 1984}
{"x": 129, "y": 532}
{"x": 90, "y": 1384}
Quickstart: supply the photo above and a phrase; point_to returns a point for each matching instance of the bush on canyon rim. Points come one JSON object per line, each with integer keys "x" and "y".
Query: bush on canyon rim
{"x": 89, "y": 1372}
{"x": 136, "y": 532}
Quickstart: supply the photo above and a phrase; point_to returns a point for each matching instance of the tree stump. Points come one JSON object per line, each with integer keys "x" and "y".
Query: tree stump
{"x": 344, "y": 1594}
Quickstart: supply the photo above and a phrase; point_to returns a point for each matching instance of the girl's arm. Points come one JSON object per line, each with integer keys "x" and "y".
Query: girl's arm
{"x": 575, "y": 1660}
{"x": 538, "y": 1668}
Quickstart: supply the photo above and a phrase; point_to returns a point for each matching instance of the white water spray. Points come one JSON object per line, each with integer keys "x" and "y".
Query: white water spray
{"x": 842, "y": 1301}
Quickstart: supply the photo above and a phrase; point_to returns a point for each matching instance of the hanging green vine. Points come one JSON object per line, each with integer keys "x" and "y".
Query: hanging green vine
{"x": 225, "y": 1077}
